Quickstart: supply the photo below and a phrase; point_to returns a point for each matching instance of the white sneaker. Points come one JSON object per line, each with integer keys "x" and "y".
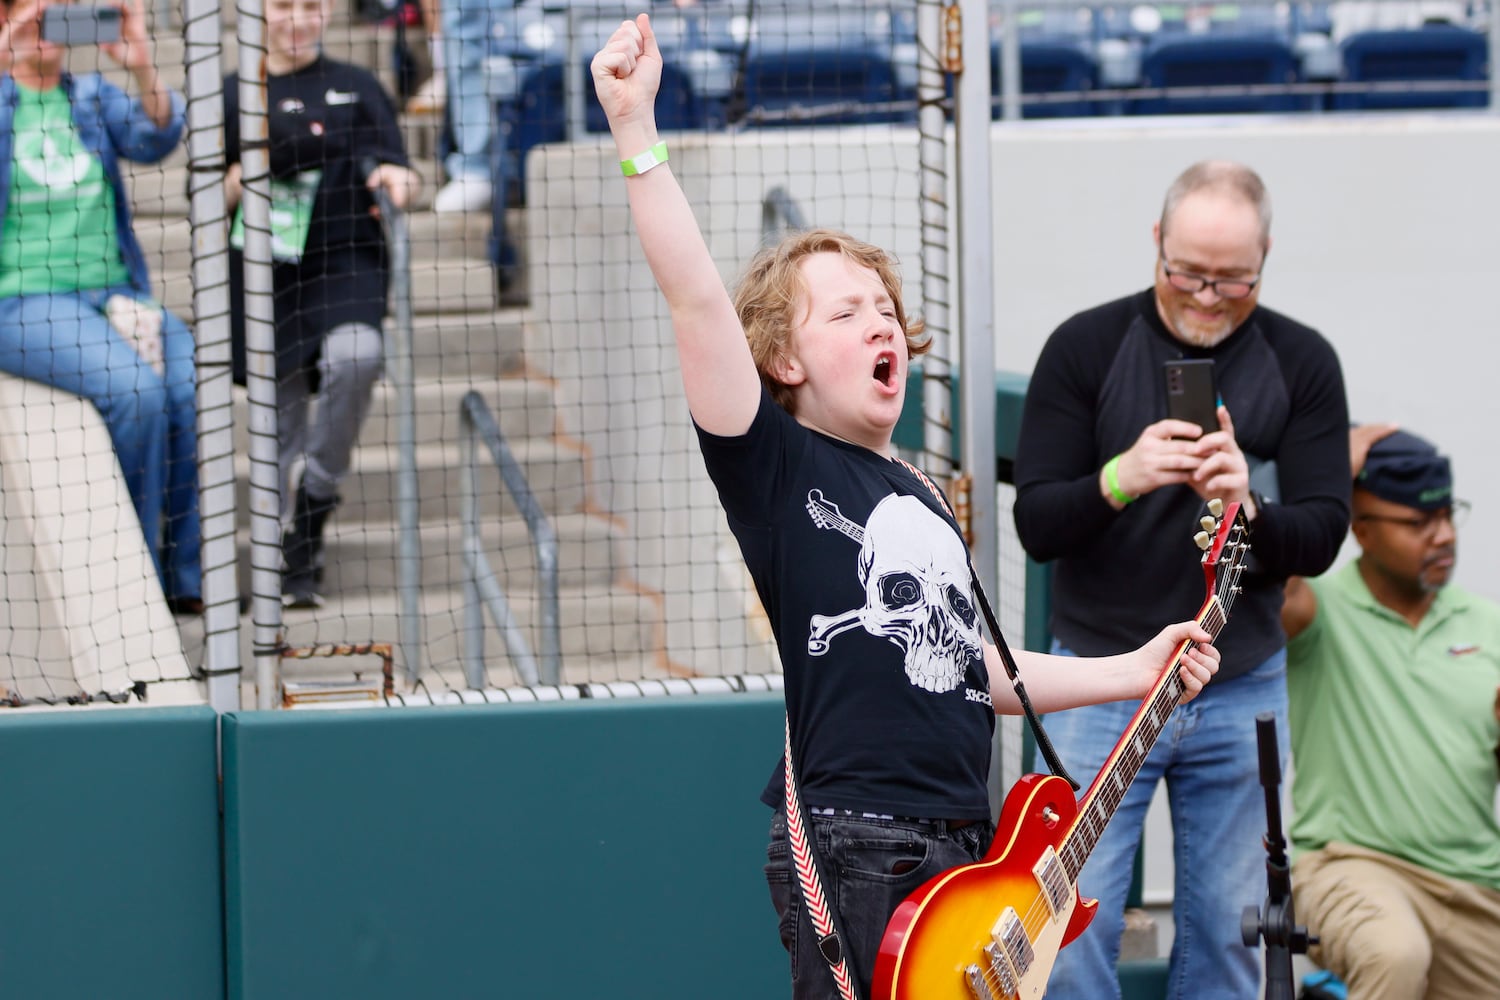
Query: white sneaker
{"x": 429, "y": 98}
{"x": 465, "y": 193}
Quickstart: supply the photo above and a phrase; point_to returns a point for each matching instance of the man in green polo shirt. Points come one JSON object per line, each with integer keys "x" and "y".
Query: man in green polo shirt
{"x": 1393, "y": 677}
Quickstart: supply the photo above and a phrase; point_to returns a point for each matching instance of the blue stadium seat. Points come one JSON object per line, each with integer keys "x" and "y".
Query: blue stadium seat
{"x": 1218, "y": 60}
{"x": 1437, "y": 52}
{"x": 1054, "y": 65}
{"x": 834, "y": 67}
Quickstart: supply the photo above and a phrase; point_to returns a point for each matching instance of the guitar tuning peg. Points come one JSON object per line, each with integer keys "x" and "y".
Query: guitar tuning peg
{"x": 1216, "y": 507}
{"x": 1208, "y": 523}
{"x": 1203, "y": 540}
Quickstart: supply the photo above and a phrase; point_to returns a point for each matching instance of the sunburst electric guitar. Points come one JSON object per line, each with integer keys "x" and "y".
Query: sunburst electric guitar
{"x": 992, "y": 930}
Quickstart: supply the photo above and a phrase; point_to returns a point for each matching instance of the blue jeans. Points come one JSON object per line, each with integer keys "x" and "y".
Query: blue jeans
{"x": 467, "y": 27}
{"x": 65, "y": 341}
{"x": 869, "y": 866}
{"x": 1207, "y": 756}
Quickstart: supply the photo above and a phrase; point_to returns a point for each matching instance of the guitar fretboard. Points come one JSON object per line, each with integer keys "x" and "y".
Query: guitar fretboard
{"x": 1129, "y": 755}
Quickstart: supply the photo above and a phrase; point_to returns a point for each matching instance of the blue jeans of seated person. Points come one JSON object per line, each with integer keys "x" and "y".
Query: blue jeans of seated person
{"x": 467, "y": 28}
{"x": 869, "y": 866}
{"x": 1207, "y": 756}
{"x": 65, "y": 341}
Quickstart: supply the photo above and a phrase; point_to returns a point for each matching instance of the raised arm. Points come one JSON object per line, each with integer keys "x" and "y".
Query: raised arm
{"x": 718, "y": 373}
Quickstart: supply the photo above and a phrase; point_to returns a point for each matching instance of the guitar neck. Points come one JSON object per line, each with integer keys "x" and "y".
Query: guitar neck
{"x": 1129, "y": 755}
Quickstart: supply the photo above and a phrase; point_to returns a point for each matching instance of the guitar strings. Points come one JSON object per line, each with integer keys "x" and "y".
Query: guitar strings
{"x": 1039, "y": 912}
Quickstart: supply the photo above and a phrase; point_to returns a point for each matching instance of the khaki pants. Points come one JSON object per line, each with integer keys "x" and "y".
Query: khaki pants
{"x": 1394, "y": 931}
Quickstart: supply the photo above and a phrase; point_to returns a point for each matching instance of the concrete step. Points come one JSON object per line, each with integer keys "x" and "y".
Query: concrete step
{"x": 469, "y": 346}
{"x": 556, "y": 471}
{"x": 162, "y": 189}
{"x": 158, "y": 189}
{"x": 522, "y": 407}
{"x": 600, "y": 627}
{"x": 167, "y": 240}
{"x": 362, "y": 556}
{"x": 444, "y": 285}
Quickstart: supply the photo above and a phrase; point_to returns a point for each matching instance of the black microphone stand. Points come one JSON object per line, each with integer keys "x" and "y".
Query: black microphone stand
{"x": 1276, "y": 922}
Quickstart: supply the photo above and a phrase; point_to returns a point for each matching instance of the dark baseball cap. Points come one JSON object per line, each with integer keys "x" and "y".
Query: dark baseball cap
{"x": 1403, "y": 468}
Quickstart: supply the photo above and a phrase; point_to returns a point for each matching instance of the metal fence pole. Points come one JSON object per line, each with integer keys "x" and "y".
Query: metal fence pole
{"x": 976, "y": 264}
{"x": 260, "y": 353}
{"x": 976, "y": 280}
{"x": 933, "y": 40}
{"x": 1010, "y": 58}
{"x": 204, "y": 85}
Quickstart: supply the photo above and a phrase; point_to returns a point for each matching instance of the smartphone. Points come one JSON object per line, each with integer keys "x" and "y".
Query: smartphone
{"x": 1191, "y": 394}
{"x": 80, "y": 24}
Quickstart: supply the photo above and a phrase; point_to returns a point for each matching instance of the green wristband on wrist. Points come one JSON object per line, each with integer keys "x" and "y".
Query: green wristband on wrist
{"x": 642, "y": 162}
{"x": 1112, "y": 480}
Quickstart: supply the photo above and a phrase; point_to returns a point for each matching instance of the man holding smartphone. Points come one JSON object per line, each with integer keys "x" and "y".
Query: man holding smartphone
{"x": 1108, "y": 488}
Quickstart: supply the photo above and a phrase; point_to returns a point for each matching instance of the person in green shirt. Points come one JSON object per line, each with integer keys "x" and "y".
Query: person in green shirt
{"x": 1394, "y": 687}
{"x": 75, "y": 297}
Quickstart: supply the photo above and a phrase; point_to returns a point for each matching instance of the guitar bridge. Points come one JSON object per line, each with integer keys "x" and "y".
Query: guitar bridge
{"x": 978, "y": 985}
{"x": 1053, "y": 881}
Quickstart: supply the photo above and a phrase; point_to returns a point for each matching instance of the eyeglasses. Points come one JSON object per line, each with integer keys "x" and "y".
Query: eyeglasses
{"x": 1426, "y": 524}
{"x": 1224, "y": 288}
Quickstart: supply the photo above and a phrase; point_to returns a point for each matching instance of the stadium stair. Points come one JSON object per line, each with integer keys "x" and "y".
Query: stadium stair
{"x": 463, "y": 339}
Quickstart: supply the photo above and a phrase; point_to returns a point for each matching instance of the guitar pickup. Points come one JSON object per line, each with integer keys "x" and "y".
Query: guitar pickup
{"x": 1010, "y": 935}
{"x": 1053, "y": 881}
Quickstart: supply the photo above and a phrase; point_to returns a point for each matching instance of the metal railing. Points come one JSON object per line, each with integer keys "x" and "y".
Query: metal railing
{"x": 481, "y": 585}
{"x": 403, "y": 375}
{"x": 779, "y": 213}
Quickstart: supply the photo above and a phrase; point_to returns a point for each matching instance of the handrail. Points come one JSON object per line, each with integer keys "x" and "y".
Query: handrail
{"x": 403, "y": 376}
{"x": 481, "y": 586}
{"x": 778, "y": 212}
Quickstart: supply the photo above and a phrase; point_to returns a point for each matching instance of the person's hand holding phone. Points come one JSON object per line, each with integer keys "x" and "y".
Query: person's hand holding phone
{"x": 1164, "y": 455}
{"x": 133, "y": 50}
{"x": 1223, "y": 471}
{"x": 20, "y": 33}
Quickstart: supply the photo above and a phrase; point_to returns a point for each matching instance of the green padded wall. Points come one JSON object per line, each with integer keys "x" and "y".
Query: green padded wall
{"x": 109, "y": 834}
{"x": 606, "y": 848}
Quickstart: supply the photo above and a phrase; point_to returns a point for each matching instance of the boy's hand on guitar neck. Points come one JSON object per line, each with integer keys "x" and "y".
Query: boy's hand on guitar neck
{"x": 1199, "y": 663}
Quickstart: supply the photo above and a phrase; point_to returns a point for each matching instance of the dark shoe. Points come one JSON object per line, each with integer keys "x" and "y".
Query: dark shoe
{"x": 186, "y": 606}
{"x": 302, "y": 551}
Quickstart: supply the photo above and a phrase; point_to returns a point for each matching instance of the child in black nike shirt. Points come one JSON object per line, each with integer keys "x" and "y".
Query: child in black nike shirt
{"x": 334, "y": 139}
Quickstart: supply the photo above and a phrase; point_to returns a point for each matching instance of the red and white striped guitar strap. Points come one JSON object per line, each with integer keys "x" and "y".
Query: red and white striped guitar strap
{"x": 806, "y": 861}
{"x": 812, "y": 885}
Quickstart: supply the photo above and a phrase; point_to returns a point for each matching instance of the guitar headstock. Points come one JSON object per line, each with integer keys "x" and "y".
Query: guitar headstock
{"x": 1224, "y": 537}
{"x": 821, "y": 509}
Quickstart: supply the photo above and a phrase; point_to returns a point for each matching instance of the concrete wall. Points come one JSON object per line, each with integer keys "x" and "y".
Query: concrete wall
{"x": 83, "y": 610}
{"x": 1386, "y": 238}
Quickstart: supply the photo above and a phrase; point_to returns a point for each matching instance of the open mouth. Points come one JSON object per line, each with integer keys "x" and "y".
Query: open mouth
{"x": 885, "y": 371}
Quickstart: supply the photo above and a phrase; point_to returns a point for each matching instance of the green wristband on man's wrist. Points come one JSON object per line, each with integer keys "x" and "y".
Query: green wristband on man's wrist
{"x": 1112, "y": 480}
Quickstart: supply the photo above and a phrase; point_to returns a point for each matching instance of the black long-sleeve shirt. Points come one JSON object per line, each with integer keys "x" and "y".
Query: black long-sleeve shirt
{"x": 332, "y": 117}
{"x": 1121, "y": 575}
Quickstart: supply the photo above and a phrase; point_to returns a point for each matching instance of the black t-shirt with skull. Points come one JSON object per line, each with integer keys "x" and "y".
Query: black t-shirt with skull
{"x": 864, "y": 577}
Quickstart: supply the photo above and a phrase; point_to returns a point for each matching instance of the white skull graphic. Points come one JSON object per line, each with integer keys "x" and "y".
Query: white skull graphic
{"x": 915, "y": 573}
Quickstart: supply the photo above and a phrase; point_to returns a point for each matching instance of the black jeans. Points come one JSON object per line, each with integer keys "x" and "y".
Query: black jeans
{"x": 869, "y": 866}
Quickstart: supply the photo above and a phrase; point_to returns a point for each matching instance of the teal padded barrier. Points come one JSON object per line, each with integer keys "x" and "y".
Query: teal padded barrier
{"x": 110, "y": 841}
{"x": 605, "y": 848}
{"x": 1143, "y": 979}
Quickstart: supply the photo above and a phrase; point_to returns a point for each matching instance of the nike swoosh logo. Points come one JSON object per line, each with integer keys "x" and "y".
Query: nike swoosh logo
{"x": 340, "y": 97}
